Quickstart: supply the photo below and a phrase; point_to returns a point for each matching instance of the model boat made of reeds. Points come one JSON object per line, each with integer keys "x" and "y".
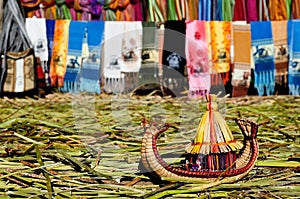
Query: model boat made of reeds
{"x": 212, "y": 155}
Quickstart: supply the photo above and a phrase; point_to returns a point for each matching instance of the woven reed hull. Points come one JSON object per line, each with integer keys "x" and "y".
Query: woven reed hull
{"x": 153, "y": 163}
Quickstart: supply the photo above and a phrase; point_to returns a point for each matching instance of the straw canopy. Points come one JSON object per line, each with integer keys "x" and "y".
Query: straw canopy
{"x": 213, "y": 134}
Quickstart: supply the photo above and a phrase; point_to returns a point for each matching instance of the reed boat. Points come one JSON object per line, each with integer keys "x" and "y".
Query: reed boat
{"x": 213, "y": 155}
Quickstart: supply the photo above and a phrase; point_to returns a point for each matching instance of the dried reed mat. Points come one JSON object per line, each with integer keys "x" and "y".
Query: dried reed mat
{"x": 66, "y": 146}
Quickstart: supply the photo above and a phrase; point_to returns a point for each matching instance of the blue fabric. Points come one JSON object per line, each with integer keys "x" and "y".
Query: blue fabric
{"x": 90, "y": 72}
{"x": 263, "y": 56}
{"x": 204, "y": 10}
{"x": 294, "y": 60}
{"x": 50, "y": 26}
{"x": 77, "y": 30}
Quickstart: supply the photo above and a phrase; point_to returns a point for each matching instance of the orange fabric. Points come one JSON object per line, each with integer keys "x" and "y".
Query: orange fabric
{"x": 277, "y": 10}
{"x": 220, "y": 44}
{"x": 59, "y": 52}
{"x": 296, "y": 9}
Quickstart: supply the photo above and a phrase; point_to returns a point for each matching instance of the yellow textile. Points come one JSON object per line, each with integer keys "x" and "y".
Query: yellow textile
{"x": 220, "y": 43}
{"x": 58, "y": 64}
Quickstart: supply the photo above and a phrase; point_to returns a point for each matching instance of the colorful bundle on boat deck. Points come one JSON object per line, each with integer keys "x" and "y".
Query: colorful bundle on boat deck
{"x": 174, "y": 56}
{"x": 36, "y": 29}
{"x": 58, "y": 63}
{"x": 131, "y": 53}
{"x": 294, "y": 60}
{"x": 241, "y": 74}
{"x": 149, "y": 68}
{"x": 214, "y": 142}
{"x": 197, "y": 59}
{"x": 90, "y": 76}
{"x": 113, "y": 79}
{"x": 76, "y": 34}
{"x": 279, "y": 29}
{"x": 263, "y": 56}
{"x": 220, "y": 35}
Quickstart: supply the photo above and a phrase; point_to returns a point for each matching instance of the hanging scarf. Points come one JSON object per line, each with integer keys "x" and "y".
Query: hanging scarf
{"x": 77, "y": 31}
{"x": 113, "y": 79}
{"x": 263, "y": 11}
{"x": 197, "y": 59}
{"x": 220, "y": 44}
{"x": 294, "y": 60}
{"x": 252, "y": 14}
{"x": 288, "y": 8}
{"x": 160, "y": 45}
{"x": 131, "y": 53}
{"x": 156, "y": 10}
{"x": 295, "y": 9}
{"x": 241, "y": 75}
{"x": 149, "y": 69}
{"x": 278, "y": 10}
{"x": 239, "y": 13}
{"x": 279, "y": 29}
{"x": 50, "y": 27}
{"x": 90, "y": 71}
{"x": 174, "y": 55}
{"x": 36, "y": 29}
{"x": 205, "y": 7}
{"x": 59, "y": 53}
{"x": 263, "y": 55}
{"x": 192, "y": 9}
{"x": 227, "y": 10}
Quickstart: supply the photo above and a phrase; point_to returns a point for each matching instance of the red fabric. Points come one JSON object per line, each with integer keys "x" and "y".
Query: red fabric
{"x": 239, "y": 13}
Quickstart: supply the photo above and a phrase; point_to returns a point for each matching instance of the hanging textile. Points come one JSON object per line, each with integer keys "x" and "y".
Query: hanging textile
{"x": 160, "y": 45}
{"x": 36, "y": 29}
{"x": 113, "y": 79}
{"x": 295, "y": 9}
{"x": 192, "y": 9}
{"x": 90, "y": 76}
{"x": 220, "y": 33}
{"x": 50, "y": 26}
{"x": 172, "y": 10}
{"x": 62, "y": 10}
{"x": 58, "y": 63}
{"x": 174, "y": 56}
{"x": 149, "y": 69}
{"x": 241, "y": 74}
{"x": 227, "y": 10}
{"x": 1, "y": 16}
{"x": 197, "y": 59}
{"x": 205, "y": 7}
{"x": 131, "y": 53}
{"x": 279, "y": 30}
{"x": 216, "y": 11}
{"x": 288, "y": 8}
{"x": 263, "y": 55}
{"x": 77, "y": 31}
{"x": 278, "y": 10}
{"x": 239, "y": 13}
{"x": 49, "y": 10}
{"x": 263, "y": 11}
{"x": 252, "y": 14}
{"x": 294, "y": 60}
